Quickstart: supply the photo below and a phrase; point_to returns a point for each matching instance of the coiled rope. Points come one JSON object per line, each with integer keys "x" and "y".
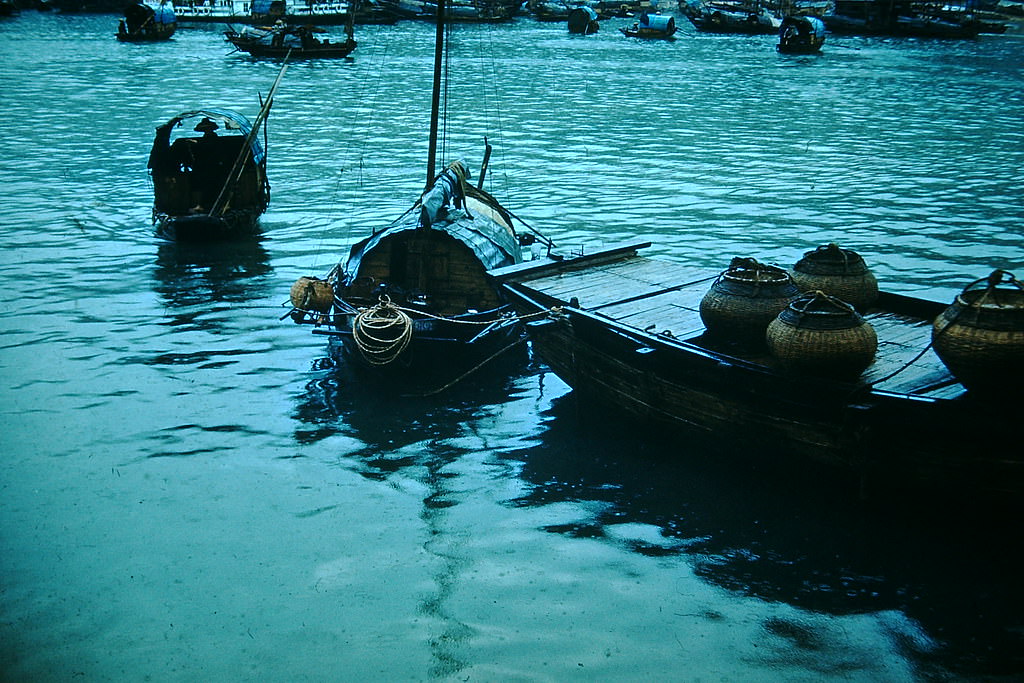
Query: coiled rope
{"x": 382, "y": 332}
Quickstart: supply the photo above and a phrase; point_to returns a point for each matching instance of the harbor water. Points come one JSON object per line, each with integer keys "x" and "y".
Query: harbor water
{"x": 190, "y": 491}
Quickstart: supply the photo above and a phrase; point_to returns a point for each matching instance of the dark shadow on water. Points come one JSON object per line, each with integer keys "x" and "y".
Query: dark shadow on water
{"x": 217, "y": 272}
{"x": 794, "y": 535}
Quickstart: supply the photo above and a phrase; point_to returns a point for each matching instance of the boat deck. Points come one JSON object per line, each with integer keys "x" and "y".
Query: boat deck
{"x": 662, "y": 298}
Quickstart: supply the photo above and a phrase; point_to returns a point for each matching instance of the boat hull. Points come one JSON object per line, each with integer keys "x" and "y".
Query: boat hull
{"x": 932, "y": 437}
{"x": 206, "y": 228}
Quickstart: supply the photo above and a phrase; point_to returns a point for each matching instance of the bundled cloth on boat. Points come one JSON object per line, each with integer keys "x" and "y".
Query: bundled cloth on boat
{"x": 980, "y": 336}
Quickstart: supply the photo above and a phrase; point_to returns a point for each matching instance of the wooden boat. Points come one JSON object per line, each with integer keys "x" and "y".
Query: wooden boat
{"x": 295, "y": 42}
{"x": 143, "y": 23}
{"x": 625, "y": 331}
{"x": 210, "y": 177}
{"x": 651, "y": 26}
{"x": 801, "y": 35}
{"x": 905, "y": 19}
{"x": 411, "y": 303}
{"x": 737, "y": 18}
{"x": 582, "y": 20}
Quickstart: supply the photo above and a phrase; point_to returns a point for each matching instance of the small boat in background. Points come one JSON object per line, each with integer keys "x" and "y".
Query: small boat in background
{"x": 801, "y": 35}
{"x": 908, "y": 393}
{"x": 742, "y": 18}
{"x": 144, "y": 23}
{"x": 284, "y": 40}
{"x": 213, "y": 185}
{"x": 582, "y": 20}
{"x": 651, "y": 26}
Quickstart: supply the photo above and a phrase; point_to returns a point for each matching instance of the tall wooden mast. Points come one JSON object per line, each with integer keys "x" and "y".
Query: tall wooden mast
{"x": 435, "y": 103}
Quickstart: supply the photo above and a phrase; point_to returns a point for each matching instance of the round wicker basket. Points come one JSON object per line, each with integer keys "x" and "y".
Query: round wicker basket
{"x": 823, "y": 335}
{"x": 841, "y": 273}
{"x": 312, "y": 294}
{"x": 744, "y": 299}
{"x": 980, "y": 337}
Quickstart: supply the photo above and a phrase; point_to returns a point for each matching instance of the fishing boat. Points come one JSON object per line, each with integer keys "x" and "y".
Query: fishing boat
{"x": 651, "y": 26}
{"x": 295, "y": 42}
{"x": 742, "y": 18}
{"x": 582, "y": 20}
{"x": 906, "y": 19}
{"x": 801, "y": 35}
{"x": 209, "y": 173}
{"x": 637, "y": 335}
{"x": 143, "y": 23}
{"x": 411, "y": 303}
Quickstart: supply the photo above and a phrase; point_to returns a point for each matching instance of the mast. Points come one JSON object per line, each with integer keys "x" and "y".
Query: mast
{"x": 435, "y": 102}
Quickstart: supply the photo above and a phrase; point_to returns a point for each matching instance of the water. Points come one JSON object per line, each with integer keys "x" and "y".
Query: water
{"x": 191, "y": 492}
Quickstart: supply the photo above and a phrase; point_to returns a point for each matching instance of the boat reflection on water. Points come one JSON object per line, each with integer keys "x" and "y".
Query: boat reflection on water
{"x": 188, "y": 274}
{"x": 942, "y": 580}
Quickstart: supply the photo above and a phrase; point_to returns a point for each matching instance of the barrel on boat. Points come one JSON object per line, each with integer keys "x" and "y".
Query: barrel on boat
{"x": 980, "y": 337}
{"x": 312, "y": 294}
{"x": 841, "y": 273}
{"x": 822, "y": 335}
{"x": 744, "y": 299}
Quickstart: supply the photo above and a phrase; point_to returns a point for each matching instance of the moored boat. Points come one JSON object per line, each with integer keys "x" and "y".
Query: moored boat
{"x": 801, "y": 35}
{"x": 582, "y": 20}
{"x": 143, "y": 23}
{"x": 295, "y": 42}
{"x": 209, "y": 174}
{"x": 625, "y": 331}
{"x": 733, "y": 17}
{"x": 411, "y": 303}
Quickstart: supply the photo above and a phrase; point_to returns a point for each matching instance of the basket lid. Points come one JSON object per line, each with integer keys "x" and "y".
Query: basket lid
{"x": 750, "y": 270}
{"x": 830, "y": 259}
{"x": 818, "y": 311}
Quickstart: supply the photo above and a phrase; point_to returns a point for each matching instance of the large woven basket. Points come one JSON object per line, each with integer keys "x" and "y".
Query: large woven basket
{"x": 744, "y": 299}
{"x": 820, "y": 334}
{"x": 842, "y": 273}
{"x": 312, "y": 294}
{"x": 980, "y": 337}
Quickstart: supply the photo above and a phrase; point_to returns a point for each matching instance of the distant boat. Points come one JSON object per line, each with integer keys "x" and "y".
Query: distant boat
{"x": 582, "y": 21}
{"x": 905, "y": 19}
{"x": 459, "y": 11}
{"x": 651, "y": 26}
{"x": 411, "y": 303}
{"x": 733, "y": 17}
{"x": 861, "y": 393}
{"x": 801, "y": 35}
{"x": 298, "y": 12}
{"x": 209, "y": 177}
{"x": 296, "y": 42}
{"x": 144, "y": 23}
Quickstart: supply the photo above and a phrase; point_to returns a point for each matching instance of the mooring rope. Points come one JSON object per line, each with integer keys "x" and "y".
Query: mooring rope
{"x": 382, "y": 332}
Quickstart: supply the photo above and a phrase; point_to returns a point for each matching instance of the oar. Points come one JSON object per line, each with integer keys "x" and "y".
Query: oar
{"x": 236, "y": 170}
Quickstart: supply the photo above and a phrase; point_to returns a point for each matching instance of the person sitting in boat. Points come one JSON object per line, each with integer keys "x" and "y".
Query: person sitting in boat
{"x": 279, "y": 30}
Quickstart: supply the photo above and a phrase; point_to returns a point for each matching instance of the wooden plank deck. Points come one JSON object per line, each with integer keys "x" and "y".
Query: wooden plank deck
{"x": 663, "y": 298}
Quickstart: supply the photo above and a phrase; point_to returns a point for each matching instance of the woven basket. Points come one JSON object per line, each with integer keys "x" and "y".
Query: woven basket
{"x": 980, "y": 337}
{"x": 744, "y": 299}
{"x": 820, "y": 334}
{"x": 842, "y": 273}
{"x": 312, "y": 294}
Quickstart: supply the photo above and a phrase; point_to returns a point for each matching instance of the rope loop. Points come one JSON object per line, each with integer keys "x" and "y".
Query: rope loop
{"x": 382, "y": 332}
